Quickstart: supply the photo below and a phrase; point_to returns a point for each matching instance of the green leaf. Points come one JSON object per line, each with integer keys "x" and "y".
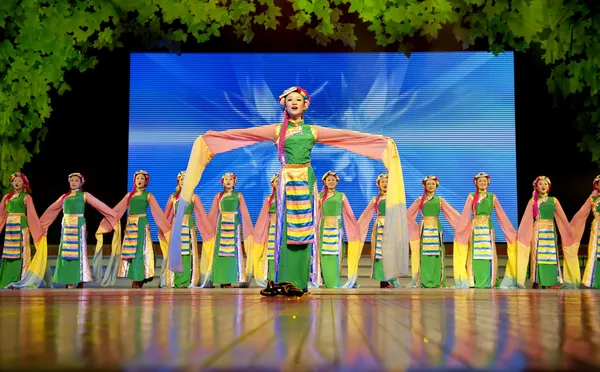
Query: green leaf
{"x": 431, "y": 29}
{"x": 356, "y": 6}
{"x": 395, "y": 14}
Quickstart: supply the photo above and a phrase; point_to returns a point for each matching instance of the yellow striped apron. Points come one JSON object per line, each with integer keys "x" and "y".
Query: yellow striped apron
{"x": 431, "y": 236}
{"x": 70, "y": 237}
{"x": 186, "y": 235}
{"x": 227, "y": 241}
{"x": 331, "y": 236}
{"x": 482, "y": 239}
{"x": 379, "y": 227}
{"x": 598, "y": 243}
{"x": 299, "y": 210}
{"x": 131, "y": 237}
{"x": 546, "y": 243}
{"x": 271, "y": 237}
{"x": 13, "y": 239}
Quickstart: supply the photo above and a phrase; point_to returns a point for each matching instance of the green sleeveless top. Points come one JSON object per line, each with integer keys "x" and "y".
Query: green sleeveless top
{"x": 188, "y": 210}
{"x": 230, "y": 203}
{"x": 333, "y": 205}
{"x": 17, "y": 205}
{"x": 138, "y": 204}
{"x": 74, "y": 204}
{"x": 381, "y": 206}
{"x": 432, "y": 207}
{"x": 273, "y": 206}
{"x": 595, "y": 205}
{"x": 298, "y": 147}
{"x": 546, "y": 209}
{"x": 486, "y": 206}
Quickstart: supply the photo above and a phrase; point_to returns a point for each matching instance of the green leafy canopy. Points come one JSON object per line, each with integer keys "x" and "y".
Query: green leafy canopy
{"x": 42, "y": 40}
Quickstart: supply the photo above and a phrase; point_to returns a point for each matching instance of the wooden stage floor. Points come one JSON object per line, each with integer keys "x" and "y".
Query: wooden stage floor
{"x": 363, "y": 329}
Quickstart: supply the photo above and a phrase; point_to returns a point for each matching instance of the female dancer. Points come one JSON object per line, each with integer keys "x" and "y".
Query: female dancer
{"x": 189, "y": 240}
{"x": 72, "y": 266}
{"x": 592, "y": 204}
{"x": 475, "y": 259}
{"x": 18, "y": 214}
{"x": 537, "y": 234}
{"x": 137, "y": 255}
{"x": 377, "y": 206}
{"x": 334, "y": 205}
{"x": 426, "y": 241}
{"x": 227, "y": 264}
{"x": 296, "y": 257}
{"x": 264, "y": 238}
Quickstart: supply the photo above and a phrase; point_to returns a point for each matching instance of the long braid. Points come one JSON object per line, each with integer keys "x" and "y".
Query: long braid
{"x": 423, "y": 199}
{"x": 475, "y": 201}
{"x": 281, "y": 142}
{"x": 536, "y": 208}
{"x": 325, "y": 191}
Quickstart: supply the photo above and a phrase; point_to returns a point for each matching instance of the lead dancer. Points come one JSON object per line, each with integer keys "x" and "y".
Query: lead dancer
{"x": 296, "y": 249}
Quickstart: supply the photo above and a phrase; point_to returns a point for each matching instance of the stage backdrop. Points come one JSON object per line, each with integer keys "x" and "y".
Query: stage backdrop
{"x": 451, "y": 114}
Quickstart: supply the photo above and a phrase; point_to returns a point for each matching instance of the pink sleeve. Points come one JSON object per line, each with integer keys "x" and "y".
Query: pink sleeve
{"x": 158, "y": 215}
{"x": 369, "y": 145}
{"x": 505, "y": 225}
{"x": 562, "y": 222}
{"x": 32, "y": 220}
{"x": 261, "y": 230}
{"x": 170, "y": 211}
{"x": 350, "y": 224}
{"x": 365, "y": 220}
{"x": 580, "y": 218}
{"x": 452, "y": 216}
{"x": 120, "y": 209}
{"x": 213, "y": 215}
{"x": 50, "y": 215}
{"x": 526, "y": 225}
{"x": 246, "y": 220}
{"x": 219, "y": 142}
{"x": 413, "y": 227}
{"x": 3, "y": 212}
{"x": 462, "y": 232}
{"x": 104, "y": 209}
{"x": 204, "y": 226}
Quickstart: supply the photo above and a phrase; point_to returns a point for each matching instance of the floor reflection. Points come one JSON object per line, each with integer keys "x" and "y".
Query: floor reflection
{"x": 362, "y": 330}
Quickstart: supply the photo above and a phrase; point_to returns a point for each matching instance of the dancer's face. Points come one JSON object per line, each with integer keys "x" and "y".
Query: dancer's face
{"x": 140, "y": 181}
{"x": 75, "y": 182}
{"x": 383, "y": 183}
{"x": 17, "y": 184}
{"x": 482, "y": 183}
{"x": 274, "y": 183}
{"x": 331, "y": 182}
{"x": 181, "y": 181}
{"x": 295, "y": 105}
{"x": 542, "y": 187}
{"x": 430, "y": 186}
{"x": 228, "y": 182}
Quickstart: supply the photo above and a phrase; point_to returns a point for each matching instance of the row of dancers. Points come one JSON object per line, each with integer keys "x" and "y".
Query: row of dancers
{"x": 235, "y": 251}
